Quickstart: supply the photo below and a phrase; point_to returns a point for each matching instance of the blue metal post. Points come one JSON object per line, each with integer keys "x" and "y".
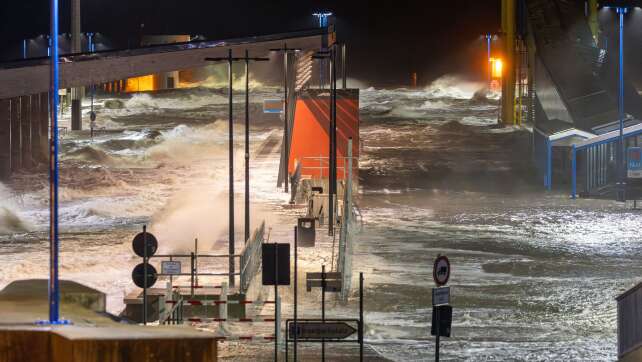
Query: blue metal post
{"x": 54, "y": 291}
{"x": 621, "y": 180}
{"x": 90, "y": 44}
{"x": 490, "y": 67}
{"x": 549, "y": 168}
{"x": 573, "y": 172}
{"x": 24, "y": 49}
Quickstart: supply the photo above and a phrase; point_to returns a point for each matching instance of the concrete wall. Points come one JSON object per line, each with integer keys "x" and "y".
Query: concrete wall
{"x": 24, "y": 133}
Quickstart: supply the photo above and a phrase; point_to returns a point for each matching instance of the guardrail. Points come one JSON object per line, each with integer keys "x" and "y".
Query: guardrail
{"x": 324, "y": 164}
{"x": 251, "y": 257}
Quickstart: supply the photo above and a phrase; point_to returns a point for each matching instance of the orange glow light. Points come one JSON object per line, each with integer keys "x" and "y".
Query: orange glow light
{"x": 497, "y": 67}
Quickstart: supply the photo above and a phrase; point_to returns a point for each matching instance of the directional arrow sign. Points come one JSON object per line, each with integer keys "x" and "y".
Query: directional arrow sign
{"x": 319, "y": 330}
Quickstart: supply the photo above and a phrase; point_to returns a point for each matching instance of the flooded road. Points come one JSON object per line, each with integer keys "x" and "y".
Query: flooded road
{"x": 534, "y": 274}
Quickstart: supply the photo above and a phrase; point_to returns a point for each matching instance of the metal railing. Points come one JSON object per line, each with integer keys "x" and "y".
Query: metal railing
{"x": 251, "y": 257}
{"x": 324, "y": 164}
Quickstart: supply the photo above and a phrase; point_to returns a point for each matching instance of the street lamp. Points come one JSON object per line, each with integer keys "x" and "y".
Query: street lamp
{"x": 621, "y": 7}
{"x": 323, "y": 23}
{"x": 323, "y": 18}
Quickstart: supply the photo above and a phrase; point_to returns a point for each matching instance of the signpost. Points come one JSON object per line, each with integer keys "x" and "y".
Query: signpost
{"x": 440, "y": 296}
{"x": 308, "y": 330}
{"x": 144, "y": 275}
{"x": 170, "y": 267}
{"x": 441, "y": 311}
{"x": 276, "y": 271}
{"x": 326, "y": 330}
{"x": 634, "y": 159}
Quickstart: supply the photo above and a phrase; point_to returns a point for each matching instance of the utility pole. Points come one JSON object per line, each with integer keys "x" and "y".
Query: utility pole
{"x": 54, "y": 286}
{"x": 333, "y": 141}
{"x": 621, "y": 188}
{"x": 231, "y": 247}
{"x": 286, "y": 123}
{"x": 76, "y": 93}
{"x": 344, "y": 66}
{"x": 247, "y": 139}
{"x": 332, "y": 130}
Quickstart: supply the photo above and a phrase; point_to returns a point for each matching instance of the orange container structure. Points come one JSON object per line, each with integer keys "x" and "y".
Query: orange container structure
{"x": 311, "y": 132}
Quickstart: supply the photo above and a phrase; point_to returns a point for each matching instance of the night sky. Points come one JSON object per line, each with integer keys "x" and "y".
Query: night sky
{"x": 387, "y": 40}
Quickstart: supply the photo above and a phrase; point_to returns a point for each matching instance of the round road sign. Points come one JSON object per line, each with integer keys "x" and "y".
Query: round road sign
{"x": 138, "y": 275}
{"x": 139, "y": 241}
{"x": 441, "y": 270}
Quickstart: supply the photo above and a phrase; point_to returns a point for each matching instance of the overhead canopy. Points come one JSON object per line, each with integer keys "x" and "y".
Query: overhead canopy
{"x": 31, "y": 76}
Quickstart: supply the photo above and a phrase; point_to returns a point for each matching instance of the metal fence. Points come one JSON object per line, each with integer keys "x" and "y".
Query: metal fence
{"x": 344, "y": 256}
{"x": 251, "y": 257}
{"x": 629, "y": 320}
{"x": 594, "y": 162}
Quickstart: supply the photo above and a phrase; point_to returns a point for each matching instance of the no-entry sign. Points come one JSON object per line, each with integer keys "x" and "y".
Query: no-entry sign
{"x": 441, "y": 270}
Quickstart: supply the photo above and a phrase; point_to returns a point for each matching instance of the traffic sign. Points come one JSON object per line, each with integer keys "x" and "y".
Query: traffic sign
{"x": 138, "y": 242}
{"x": 317, "y": 329}
{"x": 138, "y": 275}
{"x": 275, "y": 257}
{"x": 441, "y": 270}
{"x": 333, "y": 281}
{"x": 440, "y": 296}
{"x": 170, "y": 267}
{"x": 273, "y": 105}
{"x": 442, "y": 317}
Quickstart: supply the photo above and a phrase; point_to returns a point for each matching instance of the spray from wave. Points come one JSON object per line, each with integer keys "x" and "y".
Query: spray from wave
{"x": 10, "y": 221}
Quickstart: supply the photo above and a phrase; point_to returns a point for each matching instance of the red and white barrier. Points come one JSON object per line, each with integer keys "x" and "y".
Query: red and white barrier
{"x": 219, "y": 302}
{"x": 249, "y": 320}
{"x": 248, "y": 338}
{"x": 222, "y": 304}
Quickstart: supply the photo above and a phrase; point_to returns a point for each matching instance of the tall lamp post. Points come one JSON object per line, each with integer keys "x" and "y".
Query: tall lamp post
{"x": 322, "y": 17}
{"x": 489, "y": 38}
{"x": 230, "y": 92}
{"x": 621, "y": 7}
{"x": 621, "y": 190}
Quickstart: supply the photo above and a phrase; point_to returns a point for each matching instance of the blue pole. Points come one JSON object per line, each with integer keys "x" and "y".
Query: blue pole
{"x": 490, "y": 69}
{"x": 54, "y": 291}
{"x": 573, "y": 172}
{"x": 622, "y": 182}
{"x": 24, "y": 49}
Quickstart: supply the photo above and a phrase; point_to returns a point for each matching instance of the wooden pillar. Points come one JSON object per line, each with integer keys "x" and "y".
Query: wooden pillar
{"x": 16, "y": 151}
{"x": 25, "y": 131}
{"x": 43, "y": 122}
{"x": 5, "y": 139}
{"x": 35, "y": 128}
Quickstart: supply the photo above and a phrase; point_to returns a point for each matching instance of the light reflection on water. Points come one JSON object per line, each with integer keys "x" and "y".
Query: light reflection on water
{"x": 534, "y": 273}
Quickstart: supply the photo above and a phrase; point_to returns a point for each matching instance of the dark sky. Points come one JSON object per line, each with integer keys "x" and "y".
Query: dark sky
{"x": 387, "y": 40}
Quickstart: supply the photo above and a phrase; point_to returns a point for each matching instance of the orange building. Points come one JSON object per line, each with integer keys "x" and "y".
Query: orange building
{"x": 310, "y": 143}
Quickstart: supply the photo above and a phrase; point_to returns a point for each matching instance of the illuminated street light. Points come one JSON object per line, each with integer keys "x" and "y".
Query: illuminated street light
{"x": 323, "y": 18}
{"x": 621, "y": 7}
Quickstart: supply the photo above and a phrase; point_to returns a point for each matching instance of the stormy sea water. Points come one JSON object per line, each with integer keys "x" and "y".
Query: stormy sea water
{"x": 534, "y": 274}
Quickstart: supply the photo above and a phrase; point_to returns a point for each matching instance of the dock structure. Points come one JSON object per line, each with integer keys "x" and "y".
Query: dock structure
{"x": 318, "y": 155}
{"x": 23, "y": 96}
{"x": 561, "y": 76}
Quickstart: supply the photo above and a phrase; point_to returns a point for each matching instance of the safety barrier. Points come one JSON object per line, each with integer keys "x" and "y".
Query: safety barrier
{"x": 221, "y": 304}
{"x": 251, "y": 258}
